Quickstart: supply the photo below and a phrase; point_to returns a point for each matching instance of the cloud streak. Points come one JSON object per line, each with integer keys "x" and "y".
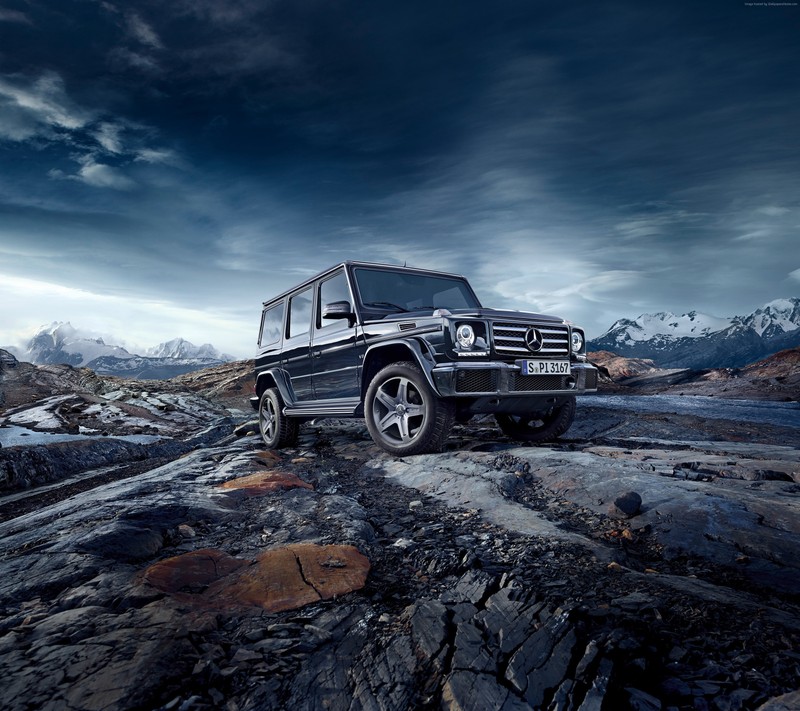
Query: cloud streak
{"x": 37, "y": 108}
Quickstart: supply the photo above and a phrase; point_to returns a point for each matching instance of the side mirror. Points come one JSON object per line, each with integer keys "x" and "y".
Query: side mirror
{"x": 339, "y": 309}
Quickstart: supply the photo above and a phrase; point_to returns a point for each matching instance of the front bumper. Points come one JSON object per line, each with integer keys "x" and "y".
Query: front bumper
{"x": 505, "y": 380}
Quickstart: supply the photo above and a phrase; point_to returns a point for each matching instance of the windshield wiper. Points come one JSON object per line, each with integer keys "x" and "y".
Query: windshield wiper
{"x": 384, "y": 304}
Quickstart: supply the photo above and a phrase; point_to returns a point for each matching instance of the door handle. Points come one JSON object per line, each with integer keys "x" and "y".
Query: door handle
{"x": 316, "y": 354}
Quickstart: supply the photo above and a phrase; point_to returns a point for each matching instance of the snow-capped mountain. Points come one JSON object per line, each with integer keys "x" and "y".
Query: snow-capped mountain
{"x": 773, "y": 319}
{"x": 666, "y": 324}
{"x": 697, "y": 340}
{"x": 63, "y": 343}
{"x": 180, "y": 348}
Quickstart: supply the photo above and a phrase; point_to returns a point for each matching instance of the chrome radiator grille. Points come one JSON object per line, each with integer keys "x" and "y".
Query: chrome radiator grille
{"x": 510, "y": 338}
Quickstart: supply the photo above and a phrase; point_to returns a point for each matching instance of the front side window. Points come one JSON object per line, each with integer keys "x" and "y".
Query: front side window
{"x": 405, "y": 291}
{"x": 331, "y": 290}
{"x": 300, "y": 313}
{"x": 271, "y": 325}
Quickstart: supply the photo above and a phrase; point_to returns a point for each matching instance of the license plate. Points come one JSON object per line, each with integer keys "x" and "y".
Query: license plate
{"x": 545, "y": 367}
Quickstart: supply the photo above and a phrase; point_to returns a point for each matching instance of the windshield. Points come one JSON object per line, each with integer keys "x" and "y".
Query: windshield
{"x": 381, "y": 289}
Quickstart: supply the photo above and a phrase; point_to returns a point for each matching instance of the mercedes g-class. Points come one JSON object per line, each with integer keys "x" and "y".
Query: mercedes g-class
{"x": 411, "y": 351}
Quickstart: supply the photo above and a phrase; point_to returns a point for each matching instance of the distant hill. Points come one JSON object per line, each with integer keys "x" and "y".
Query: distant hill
{"x": 698, "y": 341}
{"x": 776, "y": 377}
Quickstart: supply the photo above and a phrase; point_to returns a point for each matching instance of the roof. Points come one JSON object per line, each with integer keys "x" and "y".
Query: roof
{"x": 350, "y": 263}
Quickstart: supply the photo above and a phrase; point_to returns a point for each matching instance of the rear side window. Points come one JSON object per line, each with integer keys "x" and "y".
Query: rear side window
{"x": 271, "y": 325}
{"x": 300, "y": 314}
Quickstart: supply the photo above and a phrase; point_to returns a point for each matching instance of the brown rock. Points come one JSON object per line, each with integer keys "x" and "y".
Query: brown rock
{"x": 262, "y": 483}
{"x": 619, "y": 367}
{"x": 280, "y": 579}
{"x": 192, "y": 572}
{"x": 288, "y": 578}
{"x": 267, "y": 457}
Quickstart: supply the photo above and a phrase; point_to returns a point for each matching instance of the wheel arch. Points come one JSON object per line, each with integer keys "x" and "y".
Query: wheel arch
{"x": 380, "y": 355}
{"x": 274, "y": 378}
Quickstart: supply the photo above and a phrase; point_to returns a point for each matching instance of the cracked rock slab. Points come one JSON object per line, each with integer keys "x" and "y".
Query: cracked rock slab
{"x": 277, "y": 580}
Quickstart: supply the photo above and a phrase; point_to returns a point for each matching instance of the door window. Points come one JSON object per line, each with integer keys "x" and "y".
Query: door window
{"x": 333, "y": 289}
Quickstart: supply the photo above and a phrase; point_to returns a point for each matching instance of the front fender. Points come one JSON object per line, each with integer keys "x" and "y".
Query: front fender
{"x": 387, "y": 352}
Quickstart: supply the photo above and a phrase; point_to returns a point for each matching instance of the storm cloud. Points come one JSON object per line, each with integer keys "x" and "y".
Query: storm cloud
{"x": 172, "y": 165}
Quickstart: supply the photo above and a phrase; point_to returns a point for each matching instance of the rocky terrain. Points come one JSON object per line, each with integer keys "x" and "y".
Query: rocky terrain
{"x": 777, "y": 377}
{"x": 155, "y": 556}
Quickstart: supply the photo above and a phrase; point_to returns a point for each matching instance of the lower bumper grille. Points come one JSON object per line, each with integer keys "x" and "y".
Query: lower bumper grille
{"x": 476, "y": 381}
{"x": 534, "y": 383}
{"x": 507, "y": 380}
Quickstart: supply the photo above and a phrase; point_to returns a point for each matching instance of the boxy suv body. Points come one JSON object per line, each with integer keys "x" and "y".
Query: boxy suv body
{"x": 411, "y": 351}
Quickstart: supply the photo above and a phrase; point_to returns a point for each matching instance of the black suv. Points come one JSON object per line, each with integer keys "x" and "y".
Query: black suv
{"x": 410, "y": 351}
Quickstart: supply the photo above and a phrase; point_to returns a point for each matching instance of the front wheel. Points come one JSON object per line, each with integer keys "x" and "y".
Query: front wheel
{"x": 404, "y": 415}
{"x": 276, "y": 429}
{"x": 542, "y": 427}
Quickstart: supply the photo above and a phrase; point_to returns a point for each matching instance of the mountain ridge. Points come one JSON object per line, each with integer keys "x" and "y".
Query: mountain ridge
{"x": 62, "y": 343}
{"x": 697, "y": 340}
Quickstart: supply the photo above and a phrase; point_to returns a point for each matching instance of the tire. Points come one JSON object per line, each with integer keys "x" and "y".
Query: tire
{"x": 404, "y": 415}
{"x": 276, "y": 429}
{"x": 539, "y": 427}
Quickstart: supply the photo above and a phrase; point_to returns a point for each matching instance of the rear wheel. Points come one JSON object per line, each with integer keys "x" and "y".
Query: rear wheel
{"x": 276, "y": 429}
{"x": 541, "y": 427}
{"x": 403, "y": 413}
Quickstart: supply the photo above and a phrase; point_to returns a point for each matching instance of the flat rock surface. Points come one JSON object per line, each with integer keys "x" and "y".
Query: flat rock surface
{"x": 330, "y": 575}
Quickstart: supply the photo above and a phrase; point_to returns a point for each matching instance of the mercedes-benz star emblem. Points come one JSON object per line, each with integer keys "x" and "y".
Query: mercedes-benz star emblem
{"x": 533, "y": 339}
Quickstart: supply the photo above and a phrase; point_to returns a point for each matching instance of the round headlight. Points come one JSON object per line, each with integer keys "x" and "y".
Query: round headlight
{"x": 465, "y": 335}
{"x": 577, "y": 341}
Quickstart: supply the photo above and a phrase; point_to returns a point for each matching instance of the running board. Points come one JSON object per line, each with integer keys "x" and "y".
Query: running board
{"x": 323, "y": 408}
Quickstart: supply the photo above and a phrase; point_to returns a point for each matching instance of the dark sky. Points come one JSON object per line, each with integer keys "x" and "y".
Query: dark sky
{"x": 166, "y": 166}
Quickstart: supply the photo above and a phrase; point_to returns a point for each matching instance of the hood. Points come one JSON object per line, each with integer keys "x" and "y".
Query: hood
{"x": 494, "y": 314}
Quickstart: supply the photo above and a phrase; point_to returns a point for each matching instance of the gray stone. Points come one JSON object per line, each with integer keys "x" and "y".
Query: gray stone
{"x": 428, "y": 626}
{"x": 467, "y": 691}
{"x": 386, "y": 680}
{"x": 597, "y": 693}
{"x": 470, "y": 587}
{"x": 629, "y": 503}
{"x": 562, "y": 699}
{"x": 471, "y": 652}
{"x": 589, "y": 656}
{"x": 463, "y": 612}
{"x": 672, "y": 687}
{"x": 550, "y": 675}
{"x": 536, "y": 651}
{"x": 124, "y": 541}
{"x": 642, "y": 701}
{"x": 248, "y": 428}
{"x": 507, "y": 620}
{"x": 786, "y": 702}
